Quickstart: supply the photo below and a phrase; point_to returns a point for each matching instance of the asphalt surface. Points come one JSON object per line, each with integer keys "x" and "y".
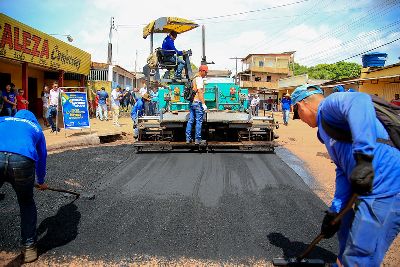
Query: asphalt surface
{"x": 228, "y": 207}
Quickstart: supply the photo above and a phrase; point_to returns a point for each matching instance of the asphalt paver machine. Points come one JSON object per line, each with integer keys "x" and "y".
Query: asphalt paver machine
{"x": 228, "y": 122}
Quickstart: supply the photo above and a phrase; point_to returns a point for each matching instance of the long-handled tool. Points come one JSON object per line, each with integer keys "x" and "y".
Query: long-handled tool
{"x": 301, "y": 259}
{"x": 78, "y": 195}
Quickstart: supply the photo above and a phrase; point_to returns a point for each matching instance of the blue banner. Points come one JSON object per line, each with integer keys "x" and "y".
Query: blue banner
{"x": 75, "y": 110}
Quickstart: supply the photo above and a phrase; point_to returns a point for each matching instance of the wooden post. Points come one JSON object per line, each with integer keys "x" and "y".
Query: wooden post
{"x": 25, "y": 79}
{"x": 82, "y": 82}
{"x": 61, "y": 78}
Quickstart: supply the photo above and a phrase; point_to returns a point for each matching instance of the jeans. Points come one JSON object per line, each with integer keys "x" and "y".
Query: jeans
{"x": 285, "y": 116}
{"x": 196, "y": 113}
{"x": 103, "y": 111}
{"x": 181, "y": 65}
{"x": 52, "y": 112}
{"x": 10, "y": 111}
{"x": 153, "y": 110}
{"x": 19, "y": 171}
{"x": 366, "y": 235}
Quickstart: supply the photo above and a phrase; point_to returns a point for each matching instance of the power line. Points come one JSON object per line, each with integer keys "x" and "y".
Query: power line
{"x": 252, "y": 11}
{"x": 319, "y": 54}
{"x": 369, "y": 50}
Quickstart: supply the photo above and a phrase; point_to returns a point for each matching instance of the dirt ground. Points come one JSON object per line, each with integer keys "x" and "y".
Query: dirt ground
{"x": 297, "y": 137}
{"x": 302, "y": 141}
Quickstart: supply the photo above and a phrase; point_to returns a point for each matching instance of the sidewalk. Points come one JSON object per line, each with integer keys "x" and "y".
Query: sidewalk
{"x": 84, "y": 137}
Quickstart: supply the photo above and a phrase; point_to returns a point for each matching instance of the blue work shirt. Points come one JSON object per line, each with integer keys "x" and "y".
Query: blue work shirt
{"x": 286, "y": 103}
{"x": 23, "y": 135}
{"x": 355, "y": 111}
{"x": 137, "y": 110}
{"x": 168, "y": 44}
{"x": 103, "y": 95}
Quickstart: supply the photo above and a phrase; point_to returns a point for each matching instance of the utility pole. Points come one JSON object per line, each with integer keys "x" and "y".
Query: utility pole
{"x": 109, "y": 55}
{"x": 236, "y": 59}
{"x": 136, "y": 76}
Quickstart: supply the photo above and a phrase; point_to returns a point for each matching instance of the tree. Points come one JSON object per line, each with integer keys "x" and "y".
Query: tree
{"x": 336, "y": 71}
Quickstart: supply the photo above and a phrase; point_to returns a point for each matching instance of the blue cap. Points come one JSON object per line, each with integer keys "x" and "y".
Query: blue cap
{"x": 305, "y": 91}
{"x": 339, "y": 88}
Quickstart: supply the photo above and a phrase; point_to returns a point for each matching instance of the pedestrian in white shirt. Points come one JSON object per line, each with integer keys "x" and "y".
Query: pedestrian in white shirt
{"x": 116, "y": 96}
{"x": 54, "y": 95}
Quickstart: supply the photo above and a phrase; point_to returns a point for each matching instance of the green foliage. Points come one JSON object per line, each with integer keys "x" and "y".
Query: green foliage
{"x": 337, "y": 71}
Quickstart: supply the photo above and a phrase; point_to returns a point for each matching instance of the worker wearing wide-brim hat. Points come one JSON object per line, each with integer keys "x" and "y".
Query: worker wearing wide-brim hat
{"x": 367, "y": 165}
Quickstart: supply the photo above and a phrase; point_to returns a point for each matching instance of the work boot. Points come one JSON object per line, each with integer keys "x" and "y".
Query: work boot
{"x": 197, "y": 142}
{"x": 188, "y": 141}
{"x": 30, "y": 253}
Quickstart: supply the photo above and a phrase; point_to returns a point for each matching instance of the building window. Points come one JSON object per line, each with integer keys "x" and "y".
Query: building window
{"x": 257, "y": 79}
{"x": 261, "y": 63}
{"x": 268, "y": 78}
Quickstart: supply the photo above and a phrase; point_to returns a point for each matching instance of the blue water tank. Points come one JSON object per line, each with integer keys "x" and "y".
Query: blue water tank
{"x": 374, "y": 59}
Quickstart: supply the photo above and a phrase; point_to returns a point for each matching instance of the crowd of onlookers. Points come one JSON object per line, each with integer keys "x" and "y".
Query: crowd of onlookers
{"x": 123, "y": 100}
{"x": 12, "y": 100}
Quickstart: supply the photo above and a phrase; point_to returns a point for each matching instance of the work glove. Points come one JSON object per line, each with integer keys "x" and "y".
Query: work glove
{"x": 327, "y": 229}
{"x": 204, "y": 107}
{"x": 362, "y": 176}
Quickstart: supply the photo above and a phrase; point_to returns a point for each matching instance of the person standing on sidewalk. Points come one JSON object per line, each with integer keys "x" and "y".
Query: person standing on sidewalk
{"x": 367, "y": 165}
{"x": 116, "y": 97}
{"x": 54, "y": 96}
{"x": 10, "y": 101}
{"x": 45, "y": 101}
{"x": 21, "y": 154}
{"x": 22, "y": 103}
{"x": 103, "y": 104}
{"x": 197, "y": 107}
{"x": 286, "y": 106}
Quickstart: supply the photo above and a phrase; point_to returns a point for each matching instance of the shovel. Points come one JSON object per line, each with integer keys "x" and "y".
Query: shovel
{"x": 301, "y": 259}
{"x": 77, "y": 195}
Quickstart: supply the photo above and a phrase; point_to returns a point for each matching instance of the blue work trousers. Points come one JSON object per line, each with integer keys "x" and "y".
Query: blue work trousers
{"x": 286, "y": 116}
{"x": 196, "y": 114}
{"x": 366, "y": 235}
{"x": 179, "y": 68}
{"x": 52, "y": 112}
{"x": 19, "y": 171}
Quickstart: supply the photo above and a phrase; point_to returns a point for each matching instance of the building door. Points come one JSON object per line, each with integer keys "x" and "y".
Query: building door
{"x": 33, "y": 96}
{"x": 5, "y": 78}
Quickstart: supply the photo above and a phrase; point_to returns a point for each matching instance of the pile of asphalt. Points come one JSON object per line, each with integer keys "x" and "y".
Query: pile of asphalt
{"x": 231, "y": 207}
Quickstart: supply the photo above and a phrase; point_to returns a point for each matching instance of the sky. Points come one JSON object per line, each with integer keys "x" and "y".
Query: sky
{"x": 320, "y": 31}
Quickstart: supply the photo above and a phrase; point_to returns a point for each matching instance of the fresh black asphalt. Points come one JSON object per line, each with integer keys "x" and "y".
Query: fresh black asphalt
{"x": 228, "y": 207}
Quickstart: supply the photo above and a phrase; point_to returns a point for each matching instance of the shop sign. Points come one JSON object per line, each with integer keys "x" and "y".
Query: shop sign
{"x": 23, "y": 43}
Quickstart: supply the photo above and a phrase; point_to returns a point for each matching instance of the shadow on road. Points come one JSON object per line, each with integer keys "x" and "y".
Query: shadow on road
{"x": 60, "y": 229}
{"x": 292, "y": 249}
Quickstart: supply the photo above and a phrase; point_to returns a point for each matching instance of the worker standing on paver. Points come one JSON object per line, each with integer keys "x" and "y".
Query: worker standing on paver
{"x": 21, "y": 153}
{"x": 367, "y": 166}
{"x": 138, "y": 111}
{"x": 197, "y": 107}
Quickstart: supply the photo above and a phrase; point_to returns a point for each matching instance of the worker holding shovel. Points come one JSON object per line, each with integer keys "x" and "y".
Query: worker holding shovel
{"x": 22, "y": 151}
{"x": 367, "y": 164}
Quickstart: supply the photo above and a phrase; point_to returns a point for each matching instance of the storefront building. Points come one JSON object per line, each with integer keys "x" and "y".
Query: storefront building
{"x": 31, "y": 59}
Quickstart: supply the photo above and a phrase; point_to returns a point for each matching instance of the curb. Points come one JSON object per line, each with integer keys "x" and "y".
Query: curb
{"x": 91, "y": 139}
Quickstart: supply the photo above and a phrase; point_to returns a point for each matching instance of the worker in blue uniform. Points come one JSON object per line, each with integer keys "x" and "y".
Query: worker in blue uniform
{"x": 22, "y": 151}
{"x": 172, "y": 54}
{"x": 138, "y": 111}
{"x": 367, "y": 166}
